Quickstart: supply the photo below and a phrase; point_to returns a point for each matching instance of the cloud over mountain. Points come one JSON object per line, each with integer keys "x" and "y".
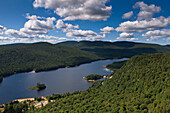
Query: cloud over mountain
{"x": 85, "y": 34}
{"x": 127, "y": 36}
{"x": 157, "y": 34}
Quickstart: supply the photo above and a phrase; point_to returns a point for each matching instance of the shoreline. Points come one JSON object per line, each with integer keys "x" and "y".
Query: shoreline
{"x": 60, "y": 67}
{"x": 67, "y": 67}
{"x": 88, "y": 80}
{"x": 109, "y": 69}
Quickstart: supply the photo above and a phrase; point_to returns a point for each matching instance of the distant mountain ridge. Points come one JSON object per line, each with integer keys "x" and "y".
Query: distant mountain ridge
{"x": 43, "y": 56}
{"x": 116, "y": 49}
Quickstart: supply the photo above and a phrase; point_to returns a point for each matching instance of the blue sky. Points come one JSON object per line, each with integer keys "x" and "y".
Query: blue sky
{"x": 23, "y": 21}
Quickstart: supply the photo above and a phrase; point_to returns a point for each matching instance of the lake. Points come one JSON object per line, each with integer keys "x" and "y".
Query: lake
{"x": 58, "y": 81}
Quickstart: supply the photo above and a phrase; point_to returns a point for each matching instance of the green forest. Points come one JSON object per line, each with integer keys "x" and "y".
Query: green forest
{"x": 40, "y": 57}
{"x": 141, "y": 85}
{"x": 17, "y": 58}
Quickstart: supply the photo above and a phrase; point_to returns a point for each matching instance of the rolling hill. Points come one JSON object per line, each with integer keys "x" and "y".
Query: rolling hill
{"x": 17, "y": 58}
{"x": 116, "y": 49}
{"x": 40, "y": 57}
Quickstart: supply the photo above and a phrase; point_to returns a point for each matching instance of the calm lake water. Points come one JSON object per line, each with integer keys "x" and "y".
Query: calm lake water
{"x": 58, "y": 81}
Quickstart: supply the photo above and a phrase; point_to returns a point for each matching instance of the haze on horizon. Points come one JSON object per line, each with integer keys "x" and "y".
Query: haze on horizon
{"x": 65, "y": 20}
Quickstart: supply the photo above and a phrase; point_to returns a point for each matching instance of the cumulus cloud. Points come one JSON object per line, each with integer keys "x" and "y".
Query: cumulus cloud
{"x": 4, "y": 38}
{"x": 127, "y": 36}
{"x": 157, "y": 34}
{"x": 85, "y": 34}
{"x": 144, "y": 25}
{"x": 2, "y": 29}
{"x": 167, "y": 40}
{"x": 107, "y": 30}
{"x": 146, "y": 11}
{"x": 77, "y": 9}
{"x": 65, "y": 26}
{"x": 127, "y": 15}
{"x": 33, "y": 17}
{"x": 128, "y": 39}
{"x": 47, "y": 37}
{"x": 16, "y": 34}
{"x": 34, "y": 30}
{"x": 35, "y": 26}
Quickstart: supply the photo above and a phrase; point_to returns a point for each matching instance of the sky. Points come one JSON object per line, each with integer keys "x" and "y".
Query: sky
{"x": 29, "y": 21}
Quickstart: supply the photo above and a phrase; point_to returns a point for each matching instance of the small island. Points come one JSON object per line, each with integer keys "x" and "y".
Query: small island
{"x": 92, "y": 77}
{"x": 38, "y": 87}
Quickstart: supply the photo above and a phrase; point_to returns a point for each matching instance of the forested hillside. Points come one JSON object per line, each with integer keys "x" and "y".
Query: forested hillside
{"x": 116, "y": 49}
{"x": 141, "y": 85}
{"x": 40, "y": 56}
{"x": 16, "y": 58}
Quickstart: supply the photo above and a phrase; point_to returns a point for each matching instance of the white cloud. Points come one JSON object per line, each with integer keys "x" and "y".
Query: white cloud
{"x": 130, "y": 39}
{"x": 126, "y": 35}
{"x": 107, "y": 30}
{"x": 144, "y": 25}
{"x": 77, "y": 9}
{"x": 47, "y": 37}
{"x": 4, "y": 38}
{"x": 146, "y": 12}
{"x": 157, "y": 34}
{"x": 85, "y": 34}
{"x": 127, "y": 15}
{"x": 65, "y": 26}
{"x": 2, "y": 29}
{"x": 35, "y": 26}
{"x": 33, "y": 31}
{"x": 167, "y": 40}
{"x": 16, "y": 34}
{"x": 33, "y": 17}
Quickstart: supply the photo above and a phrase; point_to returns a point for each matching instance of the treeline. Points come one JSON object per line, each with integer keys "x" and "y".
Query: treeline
{"x": 141, "y": 85}
{"x": 16, "y": 107}
{"x": 40, "y": 57}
